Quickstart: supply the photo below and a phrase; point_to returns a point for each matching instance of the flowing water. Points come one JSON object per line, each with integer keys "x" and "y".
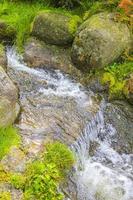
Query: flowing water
{"x": 103, "y": 175}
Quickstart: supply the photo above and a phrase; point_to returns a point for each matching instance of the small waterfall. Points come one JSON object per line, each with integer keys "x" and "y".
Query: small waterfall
{"x": 105, "y": 175}
{"x": 58, "y": 84}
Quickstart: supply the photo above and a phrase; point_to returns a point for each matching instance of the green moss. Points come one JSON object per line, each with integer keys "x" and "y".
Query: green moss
{"x": 5, "y": 196}
{"x": 8, "y": 137}
{"x": 73, "y": 24}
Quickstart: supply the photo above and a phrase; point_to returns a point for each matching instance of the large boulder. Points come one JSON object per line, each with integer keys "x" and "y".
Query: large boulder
{"x": 55, "y": 28}
{"x": 7, "y": 32}
{"x": 40, "y": 54}
{"x": 100, "y": 41}
{"x": 9, "y": 107}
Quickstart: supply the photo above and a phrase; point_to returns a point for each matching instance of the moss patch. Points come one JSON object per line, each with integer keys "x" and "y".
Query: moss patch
{"x": 74, "y": 23}
{"x": 8, "y": 137}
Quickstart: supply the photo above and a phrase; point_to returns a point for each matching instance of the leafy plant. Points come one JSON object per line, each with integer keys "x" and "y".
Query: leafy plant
{"x": 42, "y": 177}
{"x": 60, "y": 155}
{"x": 8, "y": 137}
{"x": 18, "y": 181}
{"x": 115, "y": 76}
{"x": 42, "y": 182}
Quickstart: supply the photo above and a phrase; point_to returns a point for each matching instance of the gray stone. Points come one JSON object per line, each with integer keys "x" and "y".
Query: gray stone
{"x": 55, "y": 28}
{"x": 100, "y": 41}
{"x": 9, "y": 107}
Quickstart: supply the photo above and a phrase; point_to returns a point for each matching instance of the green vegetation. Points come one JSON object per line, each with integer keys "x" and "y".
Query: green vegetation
{"x": 4, "y": 176}
{"x": 42, "y": 182}
{"x": 8, "y": 137}
{"x": 73, "y": 24}
{"x": 43, "y": 177}
{"x": 115, "y": 76}
{"x": 5, "y": 196}
{"x": 18, "y": 15}
{"x": 58, "y": 154}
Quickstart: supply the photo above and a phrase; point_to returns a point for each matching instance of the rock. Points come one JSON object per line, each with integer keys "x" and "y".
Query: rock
{"x": 14, "y": 161}
{"x": 7, "y": 32}
{"x": 39, "y": 54}
{"x": 120, "y": 115}
{"x": 9, "y": 107}
{"x": 129, "y": 89}
{"x": 3, "y": 60}
{"x": 55, "y": 28}
{"x": 100, "y": 41}
{"x": 50, "y": 112}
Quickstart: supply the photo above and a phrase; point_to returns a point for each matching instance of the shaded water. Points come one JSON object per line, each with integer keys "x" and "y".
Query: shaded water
{"x": 103, "y": 175}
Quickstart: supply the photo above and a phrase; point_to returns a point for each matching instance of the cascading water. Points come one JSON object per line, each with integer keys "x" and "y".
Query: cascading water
{"x": 105, "y": 175}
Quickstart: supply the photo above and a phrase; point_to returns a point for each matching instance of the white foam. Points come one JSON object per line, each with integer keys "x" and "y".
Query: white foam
{"x": 58, "y": 84}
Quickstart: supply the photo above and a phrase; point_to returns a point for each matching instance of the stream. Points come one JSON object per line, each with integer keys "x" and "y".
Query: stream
{"x": 53, "y": 106}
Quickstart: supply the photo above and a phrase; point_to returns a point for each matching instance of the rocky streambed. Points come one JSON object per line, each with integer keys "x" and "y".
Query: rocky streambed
{"x": 54, "y": 107}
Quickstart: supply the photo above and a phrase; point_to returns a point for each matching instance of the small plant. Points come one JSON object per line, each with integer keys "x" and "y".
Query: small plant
{"x": 18, "y": 181}
{"x": 8, "y": 137}
{"x": 59, "y": 154}
{"x": 115, "y": 76}
{"x": 42, "y": 182}
{"x": 42, "y": 178}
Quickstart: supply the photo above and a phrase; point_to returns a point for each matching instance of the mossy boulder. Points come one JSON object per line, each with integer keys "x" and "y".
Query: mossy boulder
{"x": 100, "y": 41}
{"x": 7, "y": 32}
{"x": 129, "y": 89}
{"x": 9, "y": 107}
{"x": 55, "y": 28}
{"x": 3, "y": 60}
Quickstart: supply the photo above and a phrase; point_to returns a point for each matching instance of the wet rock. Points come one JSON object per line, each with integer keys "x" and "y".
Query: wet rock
{"x": 9, "y": 107}
{"x": 129, "y": 89}
{"x": 14, "y": 161}
{"x": 7, "y": 32}
{"x": 55, "y": 28}
{"x": 120, "y": 115}
{"x": 39, "y": 54}
{"x": 3, "y": 60}
{"x": 52, "y": 111}
{"x": 100, "y": 41}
